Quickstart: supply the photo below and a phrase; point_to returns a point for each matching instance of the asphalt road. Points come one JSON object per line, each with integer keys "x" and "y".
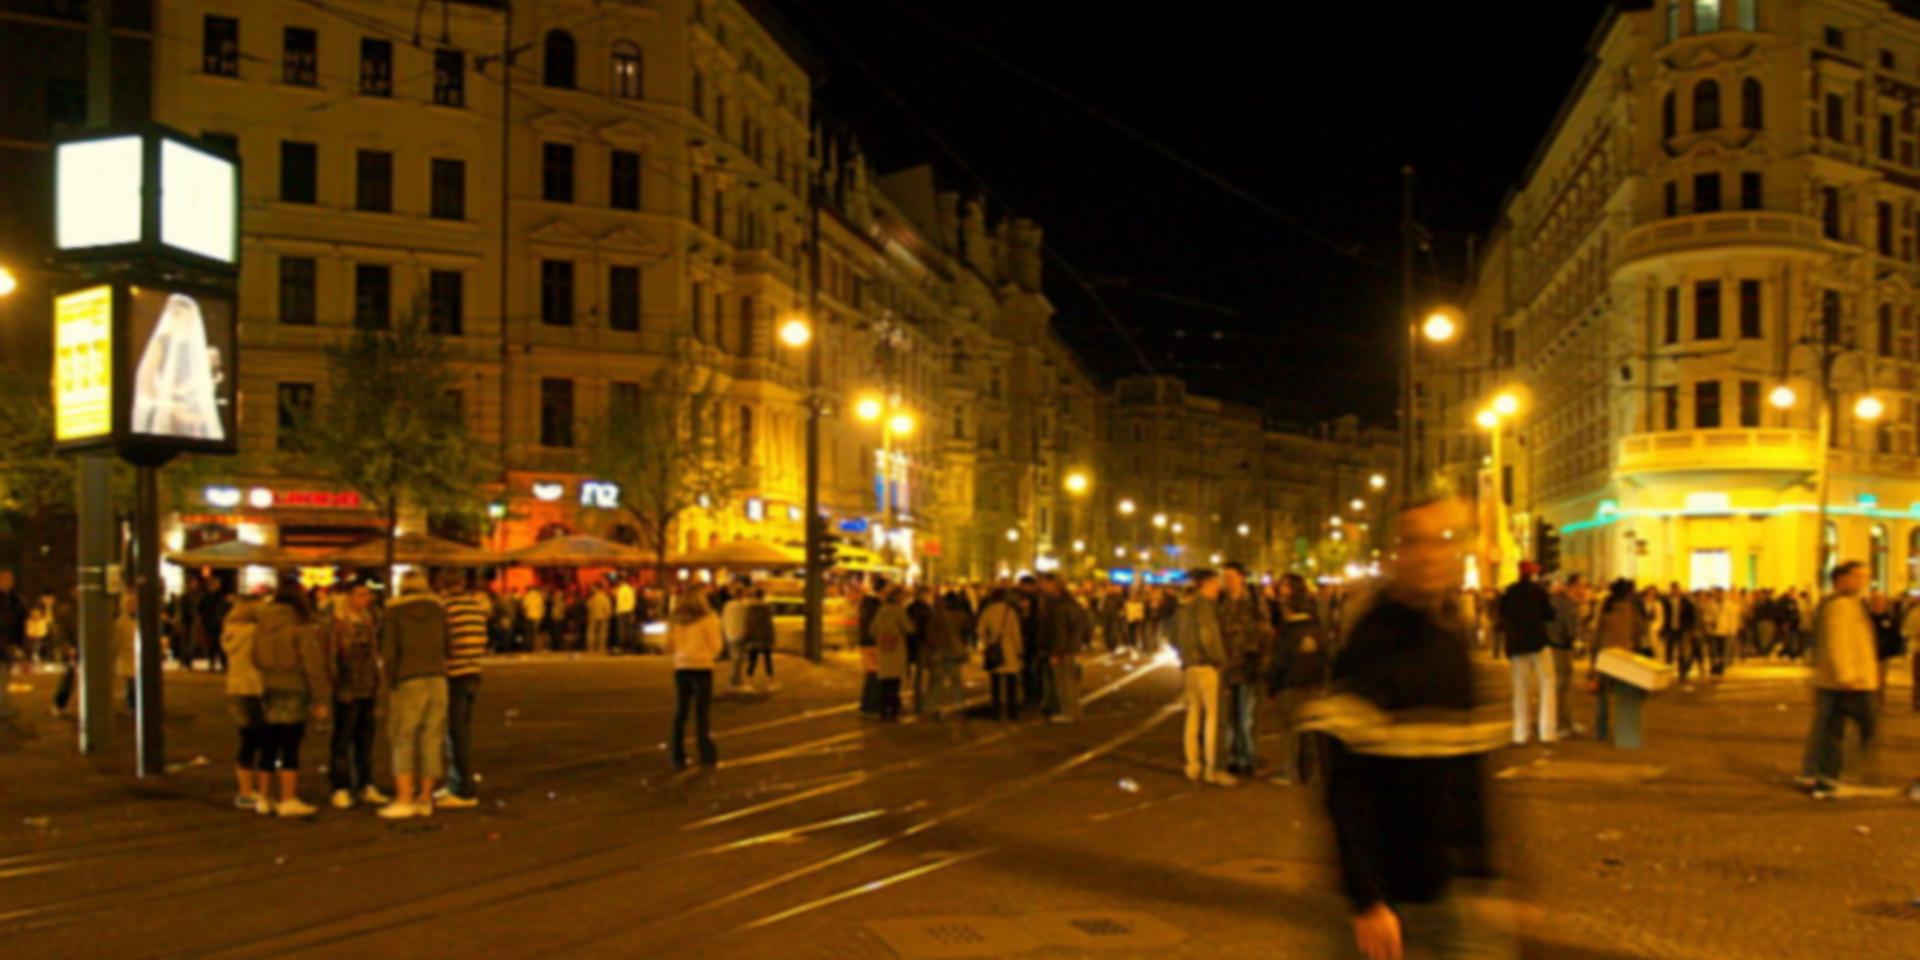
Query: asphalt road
{"x": 825, "y": 836}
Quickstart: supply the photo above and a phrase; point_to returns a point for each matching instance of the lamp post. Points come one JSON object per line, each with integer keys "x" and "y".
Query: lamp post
{"x": 1492, "y": 419}
{"x": 797, "y": 334}
{"x": 1868, "y": 409}
{"x": 899, "y": 423}
{"x": 1439, "y": 327}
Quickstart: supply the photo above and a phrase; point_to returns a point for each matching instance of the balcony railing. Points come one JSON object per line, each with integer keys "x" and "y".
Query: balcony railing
{"x": 1711, "y": 230}
{"x": 1694, "y": 450}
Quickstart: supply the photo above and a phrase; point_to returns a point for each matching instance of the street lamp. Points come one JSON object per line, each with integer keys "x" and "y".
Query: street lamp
{"x": 1506, "y": 404}
{"x": 1378, "y": 481}
{"x": 1179, "y": 528}
{"x": 1869, "y": 408}
{"x": 1126, "y": 508}
{"x": 1358, "y": 505}
{"x": 868, "y": 409}
{"x": 1160, "y": 520}
{"x": 1440, "y": 327}
{"x": 1079, "y": 546}
{"x": 8, "y": 282}
{"x": 1013, "y": 536}
{"x": 1077, "y": 483}
{"x": 1245, "y": 530}
{"x": 901, "y": 425}
{"x": 796, "y": 332}
{"x": 1782, "y": 397}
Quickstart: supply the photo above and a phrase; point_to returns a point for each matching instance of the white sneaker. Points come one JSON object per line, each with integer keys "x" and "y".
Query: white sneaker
{"x": 455, "y": 802}
{"x": 293, "y": 808}
{"x": 1223, "y": 779}
{"x": 342, "y": 800}
{"x": 246, "y": 801}
{"x": 372, "y": 794}
{"x": 398, "y": 811}
{"x": 263, "y": 806}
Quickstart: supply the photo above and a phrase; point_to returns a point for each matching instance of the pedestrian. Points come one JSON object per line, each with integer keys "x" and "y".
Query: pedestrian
{"x": 126, "y": 647}
{"x": 1910, "y": 630}
{"x": 533, "y": 606}
{"x": 599, "y": 620}
{"x": 733, "y": 628}
{"x": 694, "y": 643}
{"x": 1002, "y": 650}
{"x": 467, "y": 610}
{"x": 244, "y": 705}
{"x": 351, "y": 643}
{"x": 66, "y": 638}
{"x": 1406, "y": 790}
{"x": 1622, "y": 624}
{"x": 1845, "y": 674}
{"x": 1525, "y": 612}
{"x": 413, "y": 647}
{"x": 624, "y": 607}
{"x": 1036, "y": 673}
{"x": 1248, "y": 634}
{"x": 868, "y": 607}
{"x": 945, "y": 651}
{"x": 1297, "y": 671}
{"x": 890, "y": 628}
{"x": 215, "y": 603}
{"x": 295, "y": 687}
{"x": 1203, "y": 652}
{"x": 13, "y": 636}
{"x": 1069, "y": 630}
{"x": 918, "y": 609}
{"x": 760, "y": 639}
{"x": 1563, "y": 637}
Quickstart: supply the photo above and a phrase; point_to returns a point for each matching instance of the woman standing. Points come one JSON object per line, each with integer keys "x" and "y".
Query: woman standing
{"x": 244, "y": 693}
{"x": 694, "y": 643}
{"x": 1623, "y": 625}
{"x": 413, "y": 647}
{"x": 294, "y": 685}
{"x": 892, "y": 628}
{"x": 1004, "y": 649}
{"x": 352, "y": 643}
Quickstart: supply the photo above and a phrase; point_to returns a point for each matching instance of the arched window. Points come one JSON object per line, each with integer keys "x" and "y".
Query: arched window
{"x": 1752, "y": 104}
{"x": 562, "y": 60}
{"x": 1706, "y": 16}
{"x": 1669, "y": 117}
{"x": 1706, "y": 105}
{"x": 627, "y": 83}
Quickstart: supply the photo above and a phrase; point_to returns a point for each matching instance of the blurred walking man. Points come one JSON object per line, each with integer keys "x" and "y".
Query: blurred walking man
{"x": 1845, "y": 674}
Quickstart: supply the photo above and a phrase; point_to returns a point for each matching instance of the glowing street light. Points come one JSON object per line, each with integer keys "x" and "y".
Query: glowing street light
{"x": 1013, "y": 536}
{"x": 1120, "y": 553}
{"x": 1077, "y": 483}
{"x": 8, "y": 282}
{"x": 1079, "y": 546}
{"x": 1126, "y": 508}
{"x": 1334, "y": 522}
{"x": 901, "y": 425}
{"x": 1215, "y": 559}
{"x": 796, "y": 333}
{"x": 1179, "y": 528}
{"x": 1245, "y": 530}
{"x": 1487, "y": 419}
{"x": 1782, "y": 397}
{"x": 1358, "y": 504}
{"x": 1440, "y": 327}
{"x": 1160, "y": 520}
{"x": 869, "y": 408}
{"x": 1378, "y": 481}
{"x": 1506, "y": 404}
{"x": 1869, "y": 408}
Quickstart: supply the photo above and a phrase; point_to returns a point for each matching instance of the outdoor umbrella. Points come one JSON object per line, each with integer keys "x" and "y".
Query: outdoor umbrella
{"x": 741, "y": 555}
{"x": 579, "y": 551}
{"x": 413, "y": 549}
{"x": 235, "y": 554}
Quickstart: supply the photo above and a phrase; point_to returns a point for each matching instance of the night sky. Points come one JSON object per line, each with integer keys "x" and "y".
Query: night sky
{"x": 1313, "y": 114}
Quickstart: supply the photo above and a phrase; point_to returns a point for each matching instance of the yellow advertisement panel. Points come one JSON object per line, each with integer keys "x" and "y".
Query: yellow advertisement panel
{"x": 83, "y": 364}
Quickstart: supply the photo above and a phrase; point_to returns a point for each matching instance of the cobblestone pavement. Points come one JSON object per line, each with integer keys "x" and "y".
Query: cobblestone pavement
{"x": 824, "y": 836}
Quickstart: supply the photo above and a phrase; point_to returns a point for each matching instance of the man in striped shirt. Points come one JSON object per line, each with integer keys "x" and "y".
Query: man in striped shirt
{"x": 467, "y": 612}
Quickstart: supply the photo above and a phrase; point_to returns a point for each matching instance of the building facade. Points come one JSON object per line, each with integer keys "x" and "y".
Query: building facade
{"x": 1703, "y": 290}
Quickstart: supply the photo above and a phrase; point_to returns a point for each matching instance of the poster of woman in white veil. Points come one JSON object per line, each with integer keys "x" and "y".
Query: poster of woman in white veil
{"x": 179, "y": 388}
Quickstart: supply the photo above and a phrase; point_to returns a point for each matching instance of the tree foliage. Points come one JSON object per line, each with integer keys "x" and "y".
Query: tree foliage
{"x": 668, "y": 453}
{"x": 390, "y": 426}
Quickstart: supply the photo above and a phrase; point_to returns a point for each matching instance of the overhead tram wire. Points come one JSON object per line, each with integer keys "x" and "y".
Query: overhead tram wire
{"x": 1048, "y": 250}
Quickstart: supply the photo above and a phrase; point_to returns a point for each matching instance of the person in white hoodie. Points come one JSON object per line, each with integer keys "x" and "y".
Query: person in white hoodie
{"x": 694, "y": 643}
{"x": 244, "y": 692}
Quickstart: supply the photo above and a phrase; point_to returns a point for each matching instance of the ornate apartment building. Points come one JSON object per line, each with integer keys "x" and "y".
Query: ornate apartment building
{"x": 1723, "y": 219}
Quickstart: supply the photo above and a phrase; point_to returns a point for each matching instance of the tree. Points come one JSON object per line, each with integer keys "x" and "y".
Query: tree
{"x": 390, "y": 426}
{"x": 34, "y": 480}
{"x": 667, "y": 452}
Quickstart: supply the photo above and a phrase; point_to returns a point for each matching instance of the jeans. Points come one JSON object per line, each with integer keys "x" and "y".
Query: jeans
{"x": 737, "y": 654}
{"x": 1533, "y": 671}
{"x": 1202, "y": 740}
{"x": 597, "y": 636}
{"x": 1717, "y": 647}
{"x": 757, "y": 656}
{"x": 417, "y": 727}
{"x": 351, "y": 765}
{"x": 1006, "y": 696}
{"x": 1065, "y": 692}
{"x": 693, "y": 693}
{"x": 1831, "y": 711}
{"x": 1242, "y": 748}
{"x": 1690, "y": 654}
{"x": 462, "y": 691}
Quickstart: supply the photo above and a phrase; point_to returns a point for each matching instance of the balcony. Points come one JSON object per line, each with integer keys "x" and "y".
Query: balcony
{"x": 1793, "y": 452}
{"x": 1713, "y": 233}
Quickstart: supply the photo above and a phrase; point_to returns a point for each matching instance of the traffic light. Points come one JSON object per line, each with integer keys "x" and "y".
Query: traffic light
{"x": 827, "y": 542}
{"x": 1546, "y": 541}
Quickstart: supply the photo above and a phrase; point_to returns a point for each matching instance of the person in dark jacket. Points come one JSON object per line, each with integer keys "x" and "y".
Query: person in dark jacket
{"x": 760, "y": 637}
{"x": 868, "y": 608}
{"x": 1525, "y": 612}
{"x": 1406, "y": 790}
{"x": 413, "y": 654}
{"x": 1248, "y": 634}
{"x": 1297, "y": 671}
{"x": 1068, "y": 631}
{"x": 13, "y": 635}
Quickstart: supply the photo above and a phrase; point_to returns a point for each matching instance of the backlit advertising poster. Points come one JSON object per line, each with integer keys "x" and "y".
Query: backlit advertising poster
{"x": 180, "y": 344}
{"x": 83, "y": 366}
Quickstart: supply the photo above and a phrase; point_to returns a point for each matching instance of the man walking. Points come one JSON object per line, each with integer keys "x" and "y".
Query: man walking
{"x": 1203, "y": 651}
{"x": 1068, "y": 631}
{"x": 467, "y": 611}
{"x": 1845, "y": 675}
{"x": 1405, "y": 787}
{"x": 1563, "y": 636}
{"x": 733, "y": 629}
{"x": 1525, "y": 611}
{"x": 623, "y": 608}
{"x": 1248, "y": 634}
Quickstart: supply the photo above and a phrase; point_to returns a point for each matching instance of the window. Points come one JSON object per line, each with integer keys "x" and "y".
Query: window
{"x": 376, "y": 67}
{"x": 299, "y": 291}
{"x": 624, "y": 193}
{"x": 626, "y": 71}
{"x": 450, "y": 78}
{"x": 220, "y": 46}
{"x": 696, "y": 188}
{"x": 1706, "y": 310}
{"x": 375, "y": 183}
{"x": 1673, "y": 315}
{"x": 226, "y": 143}
{"x": 1886, "y": 136}
{"x": 1752, "y": 104}
{"x": 1706, "y": 405}
{"x": 1706, "y": 16}
{"x": 1830, "y": 212}
{"x": 1830, "y": 315}
{"x": 372, "y": 296}
{"x": 746, "y": 435}
{"x": 300, "y": 57}
{"x": 624, "y": 398}
{"x": 556, "y": 412}
{"x": 1836, "y": 38}
{"x": 556, "y": 172}
{"x": 699, "y": 94}
{"x": 1706, "y": 105}
{"x": 1886, "y": 60}
{"x": 1750, "y": 310}
{"x": 1752, "y": 191}
{"x": 446, "y": 302}
{"x": 299, "y": 172}
{"x": 1886, "y": 330}
{"x": 1670, "y": 399}
{"x": 699, "y": 310}
{"x": 66, "y": 103}
{"x": 1749, "y": 404}
{"x": 749, "y": 314}
{"x": 1836, "y": 118}
{"x": 561, "y": 60}
{"x": 295, "y": 405}
{"x": 623, "y": 299}
{"x": 1706, "y": 193}
{"x": 1883, "y": 228}
{"x": 1670, "y": 193}
{"x": 556, "y": 293}
{"x": 449, "y": 189}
